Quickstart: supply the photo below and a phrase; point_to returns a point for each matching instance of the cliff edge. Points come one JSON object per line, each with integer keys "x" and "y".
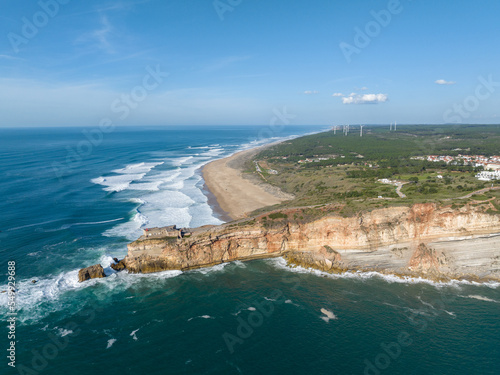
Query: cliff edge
{"x": 422, "y": 240}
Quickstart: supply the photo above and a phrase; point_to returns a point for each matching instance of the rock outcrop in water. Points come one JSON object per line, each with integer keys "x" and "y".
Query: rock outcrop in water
{"x": 93, "y": 272}
{"x": 421, "y": 240}
{"x": 118, "y": 265}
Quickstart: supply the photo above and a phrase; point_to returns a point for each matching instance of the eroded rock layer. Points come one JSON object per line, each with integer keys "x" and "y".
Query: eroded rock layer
{"x": 419, "y": 240}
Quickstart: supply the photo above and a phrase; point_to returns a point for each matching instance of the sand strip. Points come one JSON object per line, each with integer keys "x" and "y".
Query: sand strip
{"x": 236, "y": 194}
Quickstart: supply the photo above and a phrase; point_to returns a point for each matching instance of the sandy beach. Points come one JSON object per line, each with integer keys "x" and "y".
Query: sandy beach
{"x": 238, "y": 195}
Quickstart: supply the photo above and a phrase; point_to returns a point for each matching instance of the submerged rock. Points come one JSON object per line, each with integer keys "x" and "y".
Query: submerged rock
{"x": 93, "y": 272}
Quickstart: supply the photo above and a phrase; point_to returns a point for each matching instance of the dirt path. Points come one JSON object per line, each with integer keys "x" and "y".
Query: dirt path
{"x": 479, "y": 192}
{"x": 398, "y": 190}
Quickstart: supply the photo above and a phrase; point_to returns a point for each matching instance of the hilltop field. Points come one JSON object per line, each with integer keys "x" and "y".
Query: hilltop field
{"x": 350, "y": 174}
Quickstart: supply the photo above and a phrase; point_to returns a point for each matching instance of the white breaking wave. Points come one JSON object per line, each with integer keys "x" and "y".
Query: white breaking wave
{"x": 110, "y": 343}
{"x": 167, "y": 207}
{"x": 181, "y": 160}
{"x": 214, "y": 152}
{"x": 172, "y": 196}
{"x": 64, "y": 332}
{"x": 165, "y": 197}
{"x": 206, "y": 270}
{"x": 130, "y": 229}
{"x": 155, "y": 182}
{"x": 125, "y": 176}
{"x": 29, "y": 296}
{"x": 137, "y": 168}
{"x": 251, "y": 308}
{"x": 66, "y": 226}
{"x": 133, "y": 334}
{"x": 117, "y": 183}
{"x": 480, "y": 298}
{"x": 359, "y": 275}
{"x": 35, "y": 301}
{"x": 33, "y": 225}
{"x": 201, "y": 317}
{"x": 146, "y": 186}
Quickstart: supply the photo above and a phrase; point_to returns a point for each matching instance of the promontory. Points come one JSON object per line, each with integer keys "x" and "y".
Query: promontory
{"x": 423, "y": 201}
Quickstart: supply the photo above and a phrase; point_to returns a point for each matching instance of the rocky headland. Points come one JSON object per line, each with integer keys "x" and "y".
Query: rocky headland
{"x": 424, "y": 240}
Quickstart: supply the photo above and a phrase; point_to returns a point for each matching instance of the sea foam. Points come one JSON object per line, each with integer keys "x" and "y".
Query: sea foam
{"x": 165, "y": 197}
{"x": 110, "y": 343}
{"x": 117, "y": 183}
{"x": 137, "y": 168}
{"x": 390, "y": 278}
{"x": 56, "y": 293}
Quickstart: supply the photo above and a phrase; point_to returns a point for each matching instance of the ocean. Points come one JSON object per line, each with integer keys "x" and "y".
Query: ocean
{"x": 73, "y": 197}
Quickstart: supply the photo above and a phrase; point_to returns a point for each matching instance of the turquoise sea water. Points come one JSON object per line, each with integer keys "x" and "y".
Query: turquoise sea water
{"x": 69, "y": 203}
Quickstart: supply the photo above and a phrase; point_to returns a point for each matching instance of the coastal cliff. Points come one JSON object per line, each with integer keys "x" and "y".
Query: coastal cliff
{"x": 422, "y": 240}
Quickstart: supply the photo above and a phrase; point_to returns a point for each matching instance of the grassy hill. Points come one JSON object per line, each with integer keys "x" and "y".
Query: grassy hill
{"x": 343, "y": 171}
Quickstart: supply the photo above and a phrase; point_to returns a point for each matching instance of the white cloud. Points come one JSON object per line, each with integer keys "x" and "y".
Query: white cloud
{"x": 8, "y": 57}
{"x": 102, "y": 35}
{"x": 99, "y": 38}
{"x": 309, "y": 92}
{"x": 365, "y": 99}
{"x": 444, "y": 82}
{"x": 337, "y": 94}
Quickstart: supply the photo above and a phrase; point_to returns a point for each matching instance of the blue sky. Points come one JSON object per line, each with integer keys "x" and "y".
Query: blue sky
{"x": 70, "y": 63}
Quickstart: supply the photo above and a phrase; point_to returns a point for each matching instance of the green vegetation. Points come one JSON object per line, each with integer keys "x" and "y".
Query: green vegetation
{"x": 278, "y": 215}
{"x": 343, "y": 171}
{"x": 378, "y": 143}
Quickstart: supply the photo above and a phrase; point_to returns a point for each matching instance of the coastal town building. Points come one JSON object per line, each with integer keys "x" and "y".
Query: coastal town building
{"x": 488, "y": 175}
{"x": 315, "y": 160}
{"x": 488, "y": 163}
{"x": 493, "y": 166}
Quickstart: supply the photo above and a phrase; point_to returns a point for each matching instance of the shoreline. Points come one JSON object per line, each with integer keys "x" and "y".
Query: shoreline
{"x": 219, "y": 213}
{"x": 231, "y": 194}
{"x": 436, "y": 248}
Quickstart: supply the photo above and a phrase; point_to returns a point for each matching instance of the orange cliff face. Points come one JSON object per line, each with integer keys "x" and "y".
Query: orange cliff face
{"x": 418, "y": 240}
